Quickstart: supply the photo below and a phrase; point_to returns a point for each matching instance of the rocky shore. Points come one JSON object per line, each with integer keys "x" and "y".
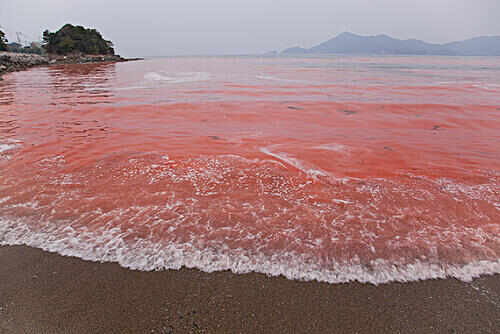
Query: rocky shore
{"x": 11, "y": 62}
{"x": 82, "y": 59}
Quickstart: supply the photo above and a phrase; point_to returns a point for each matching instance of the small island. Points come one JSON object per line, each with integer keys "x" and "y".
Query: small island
{"x": 76, "y": 44}
{"x": 69, "y": 45}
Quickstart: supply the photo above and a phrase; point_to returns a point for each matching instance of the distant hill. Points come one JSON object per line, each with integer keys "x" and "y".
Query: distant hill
{"x": 296, "y": 50}
{"x": 479, "y": 46}
{"x": 349, "y": 43}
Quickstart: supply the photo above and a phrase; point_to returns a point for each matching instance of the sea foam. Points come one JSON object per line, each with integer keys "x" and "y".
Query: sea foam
{"x": 294, "y": 162}
{"x": 145, "y": 255}
{"x": 176, "y": 78}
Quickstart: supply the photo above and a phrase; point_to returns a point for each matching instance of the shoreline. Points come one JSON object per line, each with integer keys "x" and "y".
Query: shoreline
{"x": 15, "y": 62}
{"x": 45, "y": 292}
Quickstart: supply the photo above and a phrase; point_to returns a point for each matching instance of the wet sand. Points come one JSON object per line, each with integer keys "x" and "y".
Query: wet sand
{"x": 42, "y": 292}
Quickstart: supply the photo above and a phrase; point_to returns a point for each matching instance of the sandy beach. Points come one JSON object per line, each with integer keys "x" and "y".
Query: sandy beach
{"x": 42, "y": 292}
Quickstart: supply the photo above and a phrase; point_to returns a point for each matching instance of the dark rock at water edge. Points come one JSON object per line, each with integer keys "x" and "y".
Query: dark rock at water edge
{"x": 83, "y": 59}
{"x": 11, "y": 62}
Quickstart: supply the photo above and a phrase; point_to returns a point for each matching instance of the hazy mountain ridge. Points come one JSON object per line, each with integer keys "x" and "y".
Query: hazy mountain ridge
{"x": 349, "y": 43}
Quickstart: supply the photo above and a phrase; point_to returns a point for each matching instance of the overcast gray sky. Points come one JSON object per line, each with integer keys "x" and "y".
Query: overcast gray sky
{"x": 166, "y": 27}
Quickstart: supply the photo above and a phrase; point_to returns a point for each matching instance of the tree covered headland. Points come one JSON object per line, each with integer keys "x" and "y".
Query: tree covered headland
{"x": 76, "y": 39}
{"x": 3, "y": 41}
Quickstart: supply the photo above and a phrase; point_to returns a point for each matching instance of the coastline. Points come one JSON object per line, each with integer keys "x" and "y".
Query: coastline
{"x": 14, "y": 62}
{"x": 44, "y": 292}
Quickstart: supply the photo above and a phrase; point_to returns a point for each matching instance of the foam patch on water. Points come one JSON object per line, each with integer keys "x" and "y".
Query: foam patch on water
{"x": 4, "y": 199}
{"x": 294, "y": 162}
{"x": 7, "y": 147}
{"x": 272, "y": 78}
{"x": 175, "y": 78}
{"x": 332, "y": 147}
{"x": 145, "y": 255}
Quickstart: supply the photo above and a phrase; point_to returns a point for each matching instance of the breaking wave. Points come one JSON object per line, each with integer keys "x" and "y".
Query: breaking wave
{"x": 200, "y": 213}
{"x": 145, "y": 255}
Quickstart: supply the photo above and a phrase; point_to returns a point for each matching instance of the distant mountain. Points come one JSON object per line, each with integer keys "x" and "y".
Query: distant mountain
{"x": 349, "y": 43}
{"x": 271, "y": 53}
{"x": 479, "y": 46}
{"x": 296, "y": 50}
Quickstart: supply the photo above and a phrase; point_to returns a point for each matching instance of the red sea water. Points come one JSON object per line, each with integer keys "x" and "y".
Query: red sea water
{"x": 373, "y": 169}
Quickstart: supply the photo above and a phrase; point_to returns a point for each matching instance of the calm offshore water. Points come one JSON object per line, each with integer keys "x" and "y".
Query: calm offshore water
{"x": 338, "y": 168}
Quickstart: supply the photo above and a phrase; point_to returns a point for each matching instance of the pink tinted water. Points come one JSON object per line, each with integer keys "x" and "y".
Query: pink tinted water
{"x": 336, "y": 169}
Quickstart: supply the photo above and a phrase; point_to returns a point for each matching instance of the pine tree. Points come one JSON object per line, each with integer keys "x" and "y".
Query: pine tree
{"x": 3, "y": 41}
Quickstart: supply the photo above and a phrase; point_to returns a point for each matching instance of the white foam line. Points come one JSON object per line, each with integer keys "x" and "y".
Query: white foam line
{"x": 271, "y": 78}
{"x": 332, "y": 147}
{"x": 7, "y": 147}
{"x": 293, "y": 162}
{"x": 110, "y": 246}
{"x": 182, "y": 77}
{"x": 251, "y": 161}
{"x": 341, "y": 201}
{"x": 4, "y": 199}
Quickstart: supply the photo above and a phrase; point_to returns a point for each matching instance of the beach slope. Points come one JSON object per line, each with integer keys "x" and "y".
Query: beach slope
{"x": 42, "y": 292}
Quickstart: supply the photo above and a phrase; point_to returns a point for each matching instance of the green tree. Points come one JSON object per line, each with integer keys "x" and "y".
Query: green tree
{"x": 76, "y": 39}
{"x": 66, "y": 45}
{"x": 3, "y": 41}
